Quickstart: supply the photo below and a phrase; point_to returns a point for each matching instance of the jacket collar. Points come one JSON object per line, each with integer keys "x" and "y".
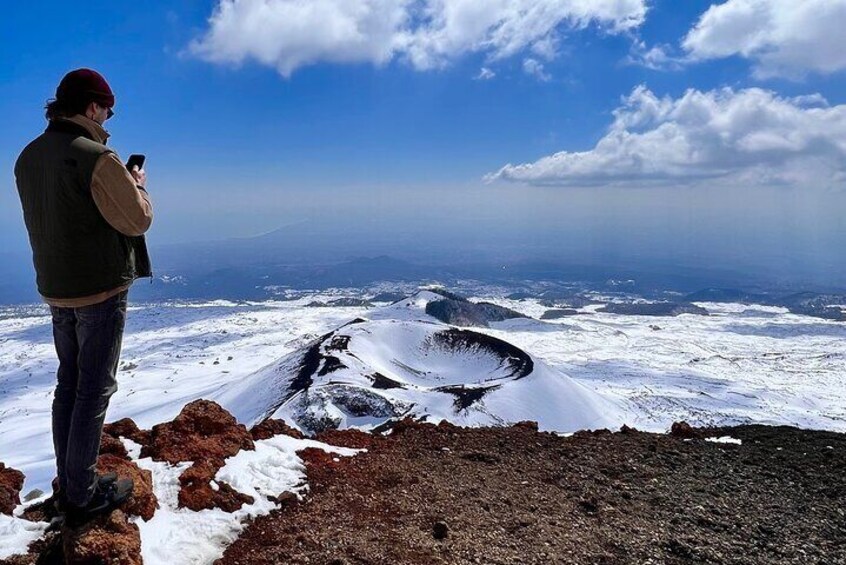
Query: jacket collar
{"x": 80, "y": 125}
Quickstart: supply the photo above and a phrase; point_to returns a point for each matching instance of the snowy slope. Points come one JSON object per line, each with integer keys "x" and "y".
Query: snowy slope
{"x": 404, "y": 363}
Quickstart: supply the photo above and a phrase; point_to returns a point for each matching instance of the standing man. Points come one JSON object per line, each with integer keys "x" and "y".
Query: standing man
{"x": 86, "y": 215}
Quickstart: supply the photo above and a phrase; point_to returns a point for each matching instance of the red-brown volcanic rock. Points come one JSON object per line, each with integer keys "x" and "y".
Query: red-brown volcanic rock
{"x": 127, "y": 428}
{"x": 683, "y": 430}
{"x": 110, "y": 444}
{"x": 197, "y": 492}
{"x": 143, "y": 501}
{"x": 272, "y": 427}
{"x": 202, "y": 430}
{"x": 355, "y": 439}
{"x": 109, "y": 539}
{"x": 11, "y": 483}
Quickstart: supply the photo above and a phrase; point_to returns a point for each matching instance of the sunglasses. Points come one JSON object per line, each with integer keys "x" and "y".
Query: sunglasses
{"x": 109, "y": 111}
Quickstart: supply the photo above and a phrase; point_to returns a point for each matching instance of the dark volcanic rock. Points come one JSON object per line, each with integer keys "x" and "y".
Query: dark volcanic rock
{"x": 559, "y": 313}
{"x": 389, "y": 297}
{"x": 496, "y": 313}
{"x": 456, "y": 313}
{"x": 312, "y": 411}
{"x": 654, "y": 309}
{"x": 683, "y": 430}
{"x": 465, "y": 396}
{"x": 202, "y": 430}
{"x": 465, "y": 313}
{"x": 447, "y": 294}
{"x": 516, "y": 359}
{"x": 342, "y": 302}
{"x": 11, "y": 483}
{"x": 330, "y": 365}
{"x": 383, "y": 382}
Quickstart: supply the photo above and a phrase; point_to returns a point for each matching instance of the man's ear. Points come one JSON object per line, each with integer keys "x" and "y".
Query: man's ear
{"x": 91, "y": 110}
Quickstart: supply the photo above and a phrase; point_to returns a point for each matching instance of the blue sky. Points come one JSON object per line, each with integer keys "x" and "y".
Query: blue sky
{"x": 262, "y": 114}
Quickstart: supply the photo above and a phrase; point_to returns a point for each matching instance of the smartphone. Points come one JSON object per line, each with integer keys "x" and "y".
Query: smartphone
{"x": 136, "y": 160}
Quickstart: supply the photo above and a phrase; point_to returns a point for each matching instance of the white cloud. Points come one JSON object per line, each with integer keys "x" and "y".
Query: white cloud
{"x": 733, "y": 138}
{"x": 289, "y": 34}
{"x": 533, "y": 67}
{"x": 485, "y": 74}
{"x": 786, "y": 38}
{"x": 657, "y": 57}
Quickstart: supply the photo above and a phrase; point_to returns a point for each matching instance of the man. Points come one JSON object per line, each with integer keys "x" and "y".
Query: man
{"x": 86, "y": 215}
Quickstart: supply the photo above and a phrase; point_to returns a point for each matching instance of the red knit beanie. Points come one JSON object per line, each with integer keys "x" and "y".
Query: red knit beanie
{"x": 83, "y": 86}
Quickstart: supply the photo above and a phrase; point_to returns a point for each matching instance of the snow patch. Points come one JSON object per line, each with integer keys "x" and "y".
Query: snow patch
{"x": 724, "y": 439}
{"x": 179, "y": 536}
{"x": 16, "y": 534}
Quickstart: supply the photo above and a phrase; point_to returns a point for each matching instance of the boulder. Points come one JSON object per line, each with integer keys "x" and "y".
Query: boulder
{"x": 202, "y": 430}
{"x": 11, "y": 483}
{"x": 683, "y": 430}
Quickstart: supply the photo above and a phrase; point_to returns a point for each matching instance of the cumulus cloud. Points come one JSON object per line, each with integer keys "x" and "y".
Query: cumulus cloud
{"x": 786, "y": 38}
{"x": 289, "y": 34}
{"x": 733, "y": 138}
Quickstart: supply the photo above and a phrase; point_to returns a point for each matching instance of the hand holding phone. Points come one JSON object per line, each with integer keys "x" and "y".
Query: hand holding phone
{"x": 137, "y": 173}
{"x": 136, "y": 161}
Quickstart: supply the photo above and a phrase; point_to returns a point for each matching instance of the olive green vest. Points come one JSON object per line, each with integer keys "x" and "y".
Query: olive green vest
{"x": 75, "y": 251}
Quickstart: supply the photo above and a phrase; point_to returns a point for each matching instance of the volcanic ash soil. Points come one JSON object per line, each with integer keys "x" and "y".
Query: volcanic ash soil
{"x": 440, "y": 494}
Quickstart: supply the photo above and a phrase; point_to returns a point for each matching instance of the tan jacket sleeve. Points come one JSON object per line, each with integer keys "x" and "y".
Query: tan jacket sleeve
{"x": 124, "y": 206}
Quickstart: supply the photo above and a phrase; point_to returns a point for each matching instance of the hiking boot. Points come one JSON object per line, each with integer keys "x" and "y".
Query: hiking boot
{"x": 60, "y": 500}
{"x": 104, "y": 500}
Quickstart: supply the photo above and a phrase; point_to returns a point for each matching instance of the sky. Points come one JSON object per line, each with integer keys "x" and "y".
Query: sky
{"x": 634, "y": 129}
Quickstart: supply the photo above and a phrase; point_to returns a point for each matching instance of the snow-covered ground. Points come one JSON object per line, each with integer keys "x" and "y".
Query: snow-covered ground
{"x": 741, "y": 364}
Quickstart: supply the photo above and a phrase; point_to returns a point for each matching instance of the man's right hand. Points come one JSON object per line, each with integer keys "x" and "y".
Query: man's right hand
{"x": 139, "y": 175}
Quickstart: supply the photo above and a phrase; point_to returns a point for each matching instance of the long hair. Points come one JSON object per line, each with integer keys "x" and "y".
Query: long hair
{"x": 63, "y": 108}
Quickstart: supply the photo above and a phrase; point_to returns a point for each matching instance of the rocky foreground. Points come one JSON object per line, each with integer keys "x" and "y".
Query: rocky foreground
{"x": 443, "y": 494}
{"x": 440, "y": 494}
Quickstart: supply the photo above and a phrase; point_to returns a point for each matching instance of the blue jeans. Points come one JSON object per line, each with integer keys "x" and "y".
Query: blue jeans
{"x": 88, "y": 342}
